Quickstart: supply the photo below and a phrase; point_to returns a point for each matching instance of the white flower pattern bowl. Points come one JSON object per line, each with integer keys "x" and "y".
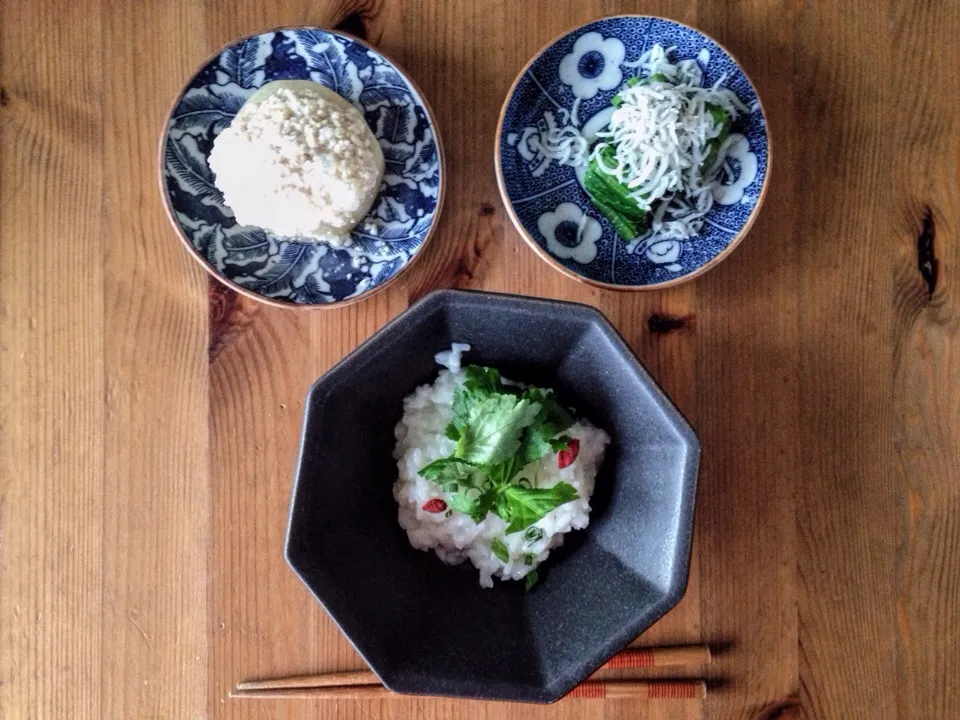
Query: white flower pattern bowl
{"x": 286, "y": 271}
{"x": 571, "y": 81}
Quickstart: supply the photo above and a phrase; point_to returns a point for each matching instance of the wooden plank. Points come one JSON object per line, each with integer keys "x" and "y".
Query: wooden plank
{"x": 847, "y": 502}
{"x": 156, "y": 482}
{"x": 51, "y": 360}
{"x": 258, "y": 382}
{"x": 747, "y": 393}
{"x": 926, "y": 363}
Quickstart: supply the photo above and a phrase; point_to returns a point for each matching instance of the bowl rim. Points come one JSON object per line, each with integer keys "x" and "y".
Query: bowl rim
{"x": 552, "y": 261}
{"x": 277, "y": 302}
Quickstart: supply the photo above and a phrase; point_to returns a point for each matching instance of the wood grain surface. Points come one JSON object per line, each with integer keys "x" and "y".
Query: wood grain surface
{"x": 149, "y": 419}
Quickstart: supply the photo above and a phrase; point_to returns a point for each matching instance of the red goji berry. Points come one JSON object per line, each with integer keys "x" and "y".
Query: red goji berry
{"x": 566, "y": 457}
{"x": 435, "y": 505}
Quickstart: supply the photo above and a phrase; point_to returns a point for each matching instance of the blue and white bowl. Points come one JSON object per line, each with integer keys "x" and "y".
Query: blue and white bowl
{"x": 285, "y": 271}
{"x": 547, "y": 201}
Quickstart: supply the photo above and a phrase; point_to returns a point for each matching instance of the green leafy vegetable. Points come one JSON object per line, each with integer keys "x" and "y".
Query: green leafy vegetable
{"x": 538, "y": 438}
{"x": 623, "y": 227}
{"x": 721, "y": 118}
{"x": 499, "y": 429}
{"x": 484, "y": 505}
{"x": 525, "y": 506}
{"x": 492, "y": 433}
{"x": 530, "y": 579}
{"x": 461, "y": 503}
{"x": 500, "y": 550}
{"x": 533, "y": 534}
{"x": 611, "y": 197}
{"x": 446, "y": 470}
{"x": 482, "y": 380}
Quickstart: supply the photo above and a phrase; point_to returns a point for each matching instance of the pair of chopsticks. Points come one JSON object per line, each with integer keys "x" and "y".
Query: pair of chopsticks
{"x": 363, "y": 684}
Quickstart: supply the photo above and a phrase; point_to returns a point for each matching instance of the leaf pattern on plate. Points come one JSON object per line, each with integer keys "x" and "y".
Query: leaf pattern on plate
{"x": 286, "y": 268}
{"x": 211, "y": 107}
{"x": 329, "y": 64}
{"x": 243, "y": 63}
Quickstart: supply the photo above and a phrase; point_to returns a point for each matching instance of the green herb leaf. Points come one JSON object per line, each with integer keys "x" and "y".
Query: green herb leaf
{"x": 502, "y": 506}
{"x": 461, "y": 503}
{"x": 631, "y": 81}
{"x": 481, "y": 380}
{"x": 480, "y": 383}
{"x": 447, "y": 470}
{"x": 482, "y": 506}
{"x": 553, "y": 418}
{"x": 525, "y": 506}
{"x": 463, "y": 402}
{"x": 616, "y": 101}
{"x": 533, "y": 534}
{"x": 528, "y": 558}
{"x": 530, "y": 579}
{"x": 551, "y": 411}
{"x": 500, "y": 550}
{"x": 560, "y": 443}
{"x": 492, "y": 433}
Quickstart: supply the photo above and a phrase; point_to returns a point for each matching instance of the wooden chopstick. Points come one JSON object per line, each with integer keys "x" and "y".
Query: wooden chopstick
{"x": 646, "y": 689}
{"x": 343, "y": 692}
{"x": 616, "y": 689}
{"x": 341, "y": 679}
{"x": 633, "y": 658}
{"x": 659, "y": 657}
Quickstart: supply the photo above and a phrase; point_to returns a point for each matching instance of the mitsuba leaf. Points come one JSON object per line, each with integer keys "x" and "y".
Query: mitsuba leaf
{"x": 483, "y": 505}
{"x": 461, "y": 503}
{"x": 479, "y": 384}
{"x": 500, "y": 550}
{"x": 446, "y": 470}
{"x": 526, "y": 506}
{"x": 553, "y": 418}
{"x": 452, "y": 432}
{"x": 482, "y": 380}
{"x": 491, "y": 434}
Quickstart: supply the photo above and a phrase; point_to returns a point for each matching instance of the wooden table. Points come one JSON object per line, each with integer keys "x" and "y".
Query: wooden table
{"x": 148, "y": 420}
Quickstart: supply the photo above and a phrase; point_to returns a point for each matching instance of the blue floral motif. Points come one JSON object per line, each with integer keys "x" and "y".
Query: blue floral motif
{"x": 572, "y": 82}
{"x": 284, "y": 268}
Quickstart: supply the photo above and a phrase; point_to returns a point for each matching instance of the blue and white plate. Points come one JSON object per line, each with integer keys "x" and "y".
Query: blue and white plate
{"x": 586, "y": 66}
{"x": 283, "y": 270}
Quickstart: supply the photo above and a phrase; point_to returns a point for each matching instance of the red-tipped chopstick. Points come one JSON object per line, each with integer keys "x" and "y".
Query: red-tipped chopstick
{"x": 360, "y": 684}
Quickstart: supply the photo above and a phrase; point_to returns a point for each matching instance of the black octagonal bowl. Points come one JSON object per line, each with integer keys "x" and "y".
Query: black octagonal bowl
{"x": 429, "y": 628}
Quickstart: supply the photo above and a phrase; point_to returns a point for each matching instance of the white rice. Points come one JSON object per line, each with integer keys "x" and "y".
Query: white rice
{"x": 421, "y": 440}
